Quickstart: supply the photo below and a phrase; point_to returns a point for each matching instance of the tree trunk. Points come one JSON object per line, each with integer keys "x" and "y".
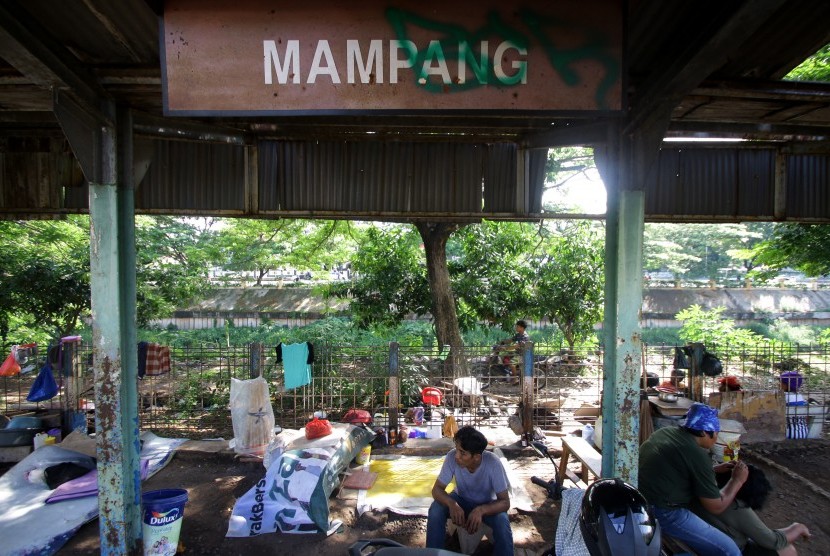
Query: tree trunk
{"x": 435, "y": 236}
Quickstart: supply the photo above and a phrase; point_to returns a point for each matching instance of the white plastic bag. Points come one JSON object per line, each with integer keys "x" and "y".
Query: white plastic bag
{"x": 252, "y": 416}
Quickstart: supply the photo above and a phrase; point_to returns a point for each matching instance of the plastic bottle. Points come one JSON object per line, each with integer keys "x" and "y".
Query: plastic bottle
{"x": 588, "y": 434}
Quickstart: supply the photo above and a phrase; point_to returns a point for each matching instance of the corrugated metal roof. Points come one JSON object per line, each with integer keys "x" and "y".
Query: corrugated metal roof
{"x": 187, "y": 177}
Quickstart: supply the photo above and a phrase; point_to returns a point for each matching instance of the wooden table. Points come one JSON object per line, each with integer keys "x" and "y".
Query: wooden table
{"x": 671, "y": 409}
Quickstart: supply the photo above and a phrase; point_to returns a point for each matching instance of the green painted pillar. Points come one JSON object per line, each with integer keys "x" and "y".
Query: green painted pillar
{"x": 621, "y": 328}
{"x": 112, "y": 278}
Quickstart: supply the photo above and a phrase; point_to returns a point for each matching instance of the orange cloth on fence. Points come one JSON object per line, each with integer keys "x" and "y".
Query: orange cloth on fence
{"x": 158, "y": 360}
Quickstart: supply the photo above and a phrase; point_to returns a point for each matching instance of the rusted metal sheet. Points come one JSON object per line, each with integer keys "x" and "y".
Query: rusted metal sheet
{"x": 189, "y": 176}
{"x": 278, "y": 56}
{"x": 711, "y": 183}
{"x": 409, "y": 178}
{"x": 34, "y": 171}
{"x": 808, "y": 192}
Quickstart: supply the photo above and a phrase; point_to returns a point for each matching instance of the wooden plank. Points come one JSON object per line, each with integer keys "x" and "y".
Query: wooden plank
{"x": 585, "y": 453}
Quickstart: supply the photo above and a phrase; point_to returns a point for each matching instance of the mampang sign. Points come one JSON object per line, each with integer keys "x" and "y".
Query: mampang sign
{"x": 253, "y": 57}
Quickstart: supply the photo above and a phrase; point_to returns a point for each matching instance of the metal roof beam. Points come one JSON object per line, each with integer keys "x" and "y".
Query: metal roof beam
{"x": 29, "y": 48}
{"x": 669, "y": 84}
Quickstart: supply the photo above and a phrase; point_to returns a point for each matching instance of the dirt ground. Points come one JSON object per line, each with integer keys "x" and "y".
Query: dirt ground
{"x": 214, "y": 484}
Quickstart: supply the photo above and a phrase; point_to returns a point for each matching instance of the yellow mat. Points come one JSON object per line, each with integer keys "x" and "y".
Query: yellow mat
{"x": 404, "y": 484}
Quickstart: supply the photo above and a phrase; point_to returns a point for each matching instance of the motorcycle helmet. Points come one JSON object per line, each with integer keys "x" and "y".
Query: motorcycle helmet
{"x": 615, "y": 520}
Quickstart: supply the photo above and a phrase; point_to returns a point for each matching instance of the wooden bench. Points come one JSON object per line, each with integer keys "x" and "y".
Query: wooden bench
{"x": 586, "y": 454}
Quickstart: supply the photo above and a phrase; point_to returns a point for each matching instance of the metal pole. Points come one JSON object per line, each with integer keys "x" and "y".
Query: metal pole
{"x": 527, "y": 394}
{"x": 112, "y": 280}
{"x": 394, "y": 386}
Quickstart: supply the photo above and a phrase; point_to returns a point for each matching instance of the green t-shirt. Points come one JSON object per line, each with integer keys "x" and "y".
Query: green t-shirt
{"x": 674, "y": 470}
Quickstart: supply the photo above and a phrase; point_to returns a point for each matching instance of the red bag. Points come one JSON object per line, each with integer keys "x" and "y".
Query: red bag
{"x": 9, "y": 366}
{"x": 317, "y": 428}
{"x": 357, "y": 416}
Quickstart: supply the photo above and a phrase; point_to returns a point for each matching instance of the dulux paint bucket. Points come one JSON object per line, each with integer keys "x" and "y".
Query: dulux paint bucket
{"x": 162, "y": 512}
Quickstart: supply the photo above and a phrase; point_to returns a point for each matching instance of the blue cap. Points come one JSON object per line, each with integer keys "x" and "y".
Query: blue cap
{"x": 702, "y": 417}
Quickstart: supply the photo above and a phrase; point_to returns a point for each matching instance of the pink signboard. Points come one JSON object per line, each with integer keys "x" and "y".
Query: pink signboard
{"x": 251, "y": 57}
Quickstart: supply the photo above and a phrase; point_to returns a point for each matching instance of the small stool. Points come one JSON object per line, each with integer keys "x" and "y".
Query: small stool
{"x": 467, "y": 542}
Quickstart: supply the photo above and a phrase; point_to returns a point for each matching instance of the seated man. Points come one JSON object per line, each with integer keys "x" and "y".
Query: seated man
{"x": 515, "y": 345}
{"x": 746, "y": 528}
{"x": 676, "y": 471}
{"x": 480, "y": 495}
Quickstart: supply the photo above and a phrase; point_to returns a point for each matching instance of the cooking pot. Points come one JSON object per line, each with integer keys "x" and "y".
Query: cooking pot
{"x": 669, "y": 397}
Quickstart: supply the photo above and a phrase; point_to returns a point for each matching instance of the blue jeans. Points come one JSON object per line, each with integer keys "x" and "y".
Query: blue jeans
{"x": 437, "y": 526}
{"x": 701, "y": 537}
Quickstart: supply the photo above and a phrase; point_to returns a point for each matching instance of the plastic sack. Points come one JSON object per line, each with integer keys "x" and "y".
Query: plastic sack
{"x": 710, "y": 365}
{"x": 681, "y": 358}
{"x": 357, "y": 416}
{"x": 44, "y": 387}
{"x": 317, "y": 428}
{"x": 251, "y": 415}
{"x": 10, "y": 367}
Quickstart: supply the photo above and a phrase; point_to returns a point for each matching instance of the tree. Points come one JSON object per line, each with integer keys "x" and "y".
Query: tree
{"x": 389, "y": 278}
{"x": 814, "y": 68}
{"x": 569, "y": 280}
{"x": 492, "y": 272}
{"x": 171, "y": 264}
{"x": 435, "y": 236}
{"x": 45, "y": 292}
{"x": 700, "y": 250}
{"x": 805, "y": 247}
{"x": 259, "y": 246}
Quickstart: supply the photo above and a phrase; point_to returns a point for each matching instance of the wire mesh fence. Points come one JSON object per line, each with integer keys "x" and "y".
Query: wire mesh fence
{"x": 476, "y": 385}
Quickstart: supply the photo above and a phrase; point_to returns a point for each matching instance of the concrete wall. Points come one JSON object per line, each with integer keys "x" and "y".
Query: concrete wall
{"x": 300, "y": 306}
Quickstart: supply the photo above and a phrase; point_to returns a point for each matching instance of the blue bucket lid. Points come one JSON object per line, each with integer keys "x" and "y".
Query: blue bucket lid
{"x": 167, "y": 496}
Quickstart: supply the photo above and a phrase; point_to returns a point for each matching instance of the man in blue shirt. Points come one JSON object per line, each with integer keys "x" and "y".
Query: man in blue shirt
{"x": 480, "y": 495}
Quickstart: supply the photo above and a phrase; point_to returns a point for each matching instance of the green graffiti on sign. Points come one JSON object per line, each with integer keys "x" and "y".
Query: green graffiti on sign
{"x": 507, "y": 66}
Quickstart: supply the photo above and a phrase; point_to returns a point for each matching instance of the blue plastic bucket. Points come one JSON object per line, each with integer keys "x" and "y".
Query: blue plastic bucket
{"x": 162, "y": 512}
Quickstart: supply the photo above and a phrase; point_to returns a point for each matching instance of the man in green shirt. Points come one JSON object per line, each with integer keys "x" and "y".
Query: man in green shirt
{"x": 676, "y": 470}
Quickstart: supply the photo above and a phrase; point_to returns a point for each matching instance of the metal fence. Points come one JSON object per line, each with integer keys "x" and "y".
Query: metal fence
{"x": 192, "y": 399}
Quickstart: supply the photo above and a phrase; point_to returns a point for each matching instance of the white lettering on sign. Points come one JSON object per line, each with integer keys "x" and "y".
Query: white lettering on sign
{"x": 374, "y": 60}
{"x": 508, "y": 65}
{"x": 330, "y": 69}
{"x": 272, "y": 60}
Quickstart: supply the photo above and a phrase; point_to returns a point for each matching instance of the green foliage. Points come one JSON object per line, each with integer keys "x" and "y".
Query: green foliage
{"x": 390, "y": 278}
{"x": 563, "y": 165}
{"x": 661, "y": 336}
{"x": 805, "y": 247}
{"x": 492, "y": 273}
{"x": 711, "y": 327}
{"x": 171, "y": 265}
{"x": 814, "y": 68}
{"x": 783, "y": 331}
{"x": 195, "y": 393}
{"x": 704, "y": 251}
{"x": 44, "y": 290}
{"x": 824, "y": 336}
{"x": 569, "y": 281}
{"x": 260, "y": 246}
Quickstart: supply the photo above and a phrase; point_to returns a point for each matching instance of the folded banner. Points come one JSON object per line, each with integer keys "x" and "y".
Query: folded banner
{"x": 293, "y": 496}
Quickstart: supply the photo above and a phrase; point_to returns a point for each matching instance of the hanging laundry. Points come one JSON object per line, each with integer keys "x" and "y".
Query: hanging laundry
{"x": 142, "y": 358}
{"x": 158, "y": 360}
{"x": 295, "y": 364}
{"x": 309, "y": 359}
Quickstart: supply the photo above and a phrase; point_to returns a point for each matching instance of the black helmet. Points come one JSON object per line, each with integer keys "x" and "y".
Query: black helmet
{"x": 615, "y": 520}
